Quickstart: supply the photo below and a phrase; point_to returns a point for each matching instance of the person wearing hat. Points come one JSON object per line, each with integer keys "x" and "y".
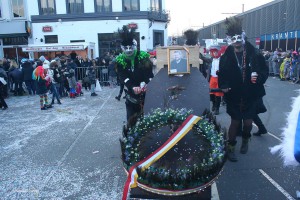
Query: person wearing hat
{"x": 135, "y": 71}
{"x": 242, "y": 74}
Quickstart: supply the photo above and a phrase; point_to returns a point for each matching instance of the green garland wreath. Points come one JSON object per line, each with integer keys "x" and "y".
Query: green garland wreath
{"x": 184, "y": 178}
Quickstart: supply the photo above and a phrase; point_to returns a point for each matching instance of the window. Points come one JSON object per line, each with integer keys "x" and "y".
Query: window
{"x": 156, "y": 5}
{"x": 18, "y": 8}
{"x": 51, "y": 39}
{"x": 47, "y": 7}
{"x": 158, "y": 38}
{"x": 74, "y": 41}
{"x": 103, "y": 6}
{"x": 15, "y": 41}
{"x": 131, "y": 5}
{"x": 0, "y": 9}
{"x": 75, "y": 6}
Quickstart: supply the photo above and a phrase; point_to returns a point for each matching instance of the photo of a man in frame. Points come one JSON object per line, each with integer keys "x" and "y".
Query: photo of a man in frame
{"x": 178, "y": 64}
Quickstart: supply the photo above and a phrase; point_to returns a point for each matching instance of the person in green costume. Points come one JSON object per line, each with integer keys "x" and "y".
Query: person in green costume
{"x": 135, "y": 72}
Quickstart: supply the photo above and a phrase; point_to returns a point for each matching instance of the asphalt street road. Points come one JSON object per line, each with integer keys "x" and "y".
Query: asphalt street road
{"x": 72, "y": 151}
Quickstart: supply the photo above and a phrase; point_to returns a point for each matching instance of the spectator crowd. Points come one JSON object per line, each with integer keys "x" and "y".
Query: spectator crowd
{"x": 60, "y": 77}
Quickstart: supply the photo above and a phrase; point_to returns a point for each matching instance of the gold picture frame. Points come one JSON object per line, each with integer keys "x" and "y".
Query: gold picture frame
{"x": 178, "y": 60}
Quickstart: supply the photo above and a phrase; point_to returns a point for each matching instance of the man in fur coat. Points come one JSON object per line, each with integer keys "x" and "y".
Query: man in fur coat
{"x": 242, "y": 75}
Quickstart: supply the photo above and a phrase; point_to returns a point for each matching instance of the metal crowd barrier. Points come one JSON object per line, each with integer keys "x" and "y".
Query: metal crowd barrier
{"x": 101, "y": 74}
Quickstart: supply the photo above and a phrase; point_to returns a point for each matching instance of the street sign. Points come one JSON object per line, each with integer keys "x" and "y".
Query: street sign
{"x": 257, "y": 41}
{"x": 47, "y": 28}
{"x": 133, "y": 25}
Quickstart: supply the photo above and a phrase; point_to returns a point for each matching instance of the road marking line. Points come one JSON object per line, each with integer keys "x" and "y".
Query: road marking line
{"x": 274, "y": 136}
{"x": 285, "y": 193}
{"x": 214, "y": 192}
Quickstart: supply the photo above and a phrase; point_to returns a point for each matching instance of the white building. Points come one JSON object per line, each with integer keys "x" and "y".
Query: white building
{"x": 13, "y": 32}
{"x": 60, "y": 26}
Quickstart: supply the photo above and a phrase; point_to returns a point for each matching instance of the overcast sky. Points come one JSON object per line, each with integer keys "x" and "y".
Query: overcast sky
{"x": 187, "y": 14}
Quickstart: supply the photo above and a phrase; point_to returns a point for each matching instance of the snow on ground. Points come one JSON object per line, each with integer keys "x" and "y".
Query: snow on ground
{"x": 67, "y": 152}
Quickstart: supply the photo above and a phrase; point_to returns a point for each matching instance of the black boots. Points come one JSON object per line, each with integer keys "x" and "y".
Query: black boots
{"x": 244, "y": 146}
{"x": 230, "y": 151}
{"x": 260, "y": 132}
{"x": 261, "y": 127}
{"x": 245, "y": 140}
{"x": 118, "y": 97}
{"x": 94, "y": 94}
{"x": 58, "y": 102}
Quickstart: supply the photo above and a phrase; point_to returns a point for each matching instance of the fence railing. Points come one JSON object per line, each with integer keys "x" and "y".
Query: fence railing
{"x": 101, "y": 74}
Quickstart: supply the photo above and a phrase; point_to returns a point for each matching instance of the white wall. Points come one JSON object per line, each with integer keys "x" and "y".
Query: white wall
{"x": 88, "y": 31}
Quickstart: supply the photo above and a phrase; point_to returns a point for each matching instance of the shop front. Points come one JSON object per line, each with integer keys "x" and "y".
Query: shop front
{"x": 56, "y": 50}
{"x": 13, "y": 36}
{"x": 284, "y": 40}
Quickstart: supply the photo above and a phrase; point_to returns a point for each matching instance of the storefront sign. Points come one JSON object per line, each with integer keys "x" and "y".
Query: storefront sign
{"x": 281, "y": 36}
{"x": 47, "y": 28}
{"x": 53, "y": 48}
{"x": 133, "y": 25}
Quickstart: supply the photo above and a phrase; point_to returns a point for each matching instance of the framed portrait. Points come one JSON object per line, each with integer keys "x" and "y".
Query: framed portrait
{"x": 178, "y": 60}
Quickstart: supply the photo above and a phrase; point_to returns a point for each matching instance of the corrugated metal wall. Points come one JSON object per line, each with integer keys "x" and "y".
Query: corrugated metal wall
{"x": 277, "y": 16}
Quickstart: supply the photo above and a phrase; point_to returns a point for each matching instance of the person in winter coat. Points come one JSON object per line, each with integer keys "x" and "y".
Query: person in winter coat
{"x": 3, "y": 83}
{"x": 86, "y": 81}
{"x": 112, "y": 74}
{"x": 70, "y": 74}
{"x": 16, "y": 76}
{"x": 39, "y": 74}
{"x": 3, "y": 74}
{"x": 55, "y": 80}
{"x": 242, "y": 74}
{"x": 63, "y": 71}
{"x": 91, "y": 74}
{"x": 27, "y": 70}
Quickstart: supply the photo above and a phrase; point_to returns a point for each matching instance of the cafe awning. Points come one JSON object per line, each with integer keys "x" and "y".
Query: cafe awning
{"x": 56, "y": 47}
